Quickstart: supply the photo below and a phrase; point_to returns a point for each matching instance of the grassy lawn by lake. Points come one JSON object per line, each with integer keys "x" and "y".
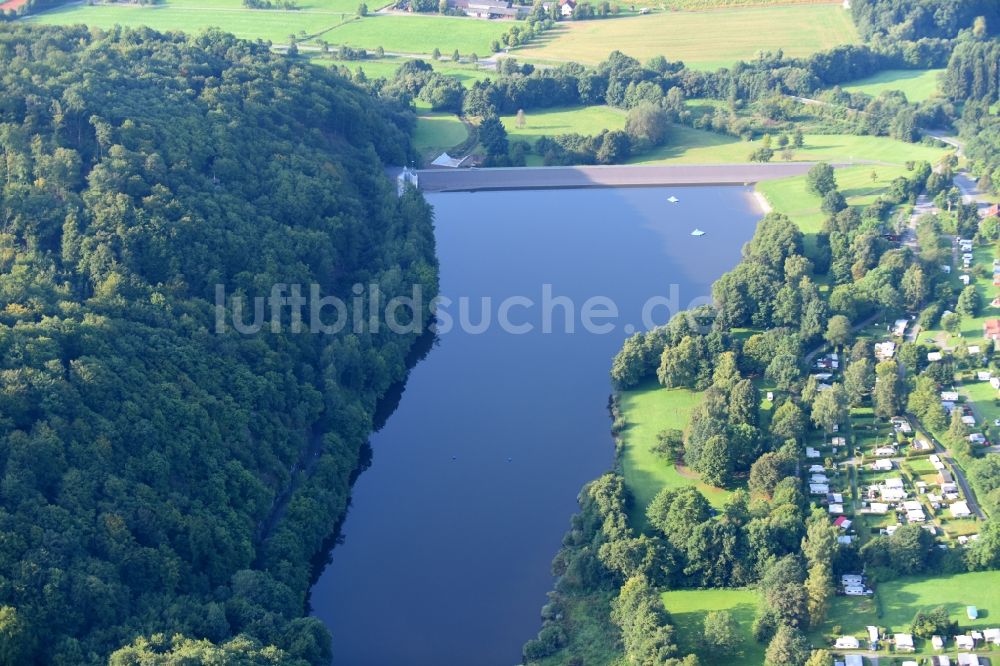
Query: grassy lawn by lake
{"x": 791, "y": 196}
{"x": 703, "y": 40}
{"x": 648, "y": 410}
{"x": 688, "y": 609}
{"x": 326, "y": 18}
{"x": 916, "y": 84}
{"x": 437, "y": 132}
{"x": 587, "y": 120}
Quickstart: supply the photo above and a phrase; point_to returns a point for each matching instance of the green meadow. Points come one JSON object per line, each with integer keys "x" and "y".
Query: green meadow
{"x": 333, "y": 21}
{"x": 898, "y": 602}
{"x": 586, "y": 120}
{"x": 917, "y": 84}
{"x": 648, "y": 410}
{"x": 692, "y": 146}
{"x": 437, "y": 132}
{"x": 688, "y": 609}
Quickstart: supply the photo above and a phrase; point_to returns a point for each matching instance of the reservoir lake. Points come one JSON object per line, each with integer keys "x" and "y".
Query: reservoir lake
{"x": 446, "y": 548}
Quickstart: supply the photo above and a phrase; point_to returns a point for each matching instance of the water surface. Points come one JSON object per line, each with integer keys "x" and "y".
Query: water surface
{"x": 449, "y": 539}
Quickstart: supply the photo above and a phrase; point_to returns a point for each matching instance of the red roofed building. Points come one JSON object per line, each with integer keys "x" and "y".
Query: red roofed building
{"x": 991, "y": 329}
{"x": 993, "y": 211}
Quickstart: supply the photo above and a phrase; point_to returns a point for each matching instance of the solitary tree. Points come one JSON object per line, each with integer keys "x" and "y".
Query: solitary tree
{"x": 455, "y": 56}
{"x": 820, "y": 179}
{"x": 969, "y": 302}
{"x": 362, "y": 9}
{"x": 521, "y": 120}
{"x": 436, "y": 54}
{"x": 721, "y": 632}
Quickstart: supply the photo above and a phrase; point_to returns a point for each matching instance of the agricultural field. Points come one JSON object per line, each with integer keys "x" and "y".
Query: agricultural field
{"x": 648, "y": 410}
{"x": 696, "y": 5}
{"x": 333, "y": 21}
{"x": 550, "y": 122}
{"x": 917, "y": 84}
{"x": 688, "y": 609}
{"x": 703, "y": 40}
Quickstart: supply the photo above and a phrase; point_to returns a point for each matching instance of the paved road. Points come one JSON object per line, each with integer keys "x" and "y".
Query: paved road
{"x": 450, "y": 180}
{"x": 963, "y": 483}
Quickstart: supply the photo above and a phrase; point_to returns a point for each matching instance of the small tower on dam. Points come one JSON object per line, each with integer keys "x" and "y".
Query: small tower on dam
{"x": 406, "y": 177}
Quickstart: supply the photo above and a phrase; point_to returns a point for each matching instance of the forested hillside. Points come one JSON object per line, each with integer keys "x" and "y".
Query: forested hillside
{"x": 143, "y": 455}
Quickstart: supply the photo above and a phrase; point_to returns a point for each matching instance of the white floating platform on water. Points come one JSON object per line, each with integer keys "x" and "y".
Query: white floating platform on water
{"x": 697, "y": 232}
{"x": 673, "y": 199}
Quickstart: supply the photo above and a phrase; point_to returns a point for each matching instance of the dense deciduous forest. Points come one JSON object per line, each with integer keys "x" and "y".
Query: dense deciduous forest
{"x": 913, "y": 19}
{"x": 145, "y": 458}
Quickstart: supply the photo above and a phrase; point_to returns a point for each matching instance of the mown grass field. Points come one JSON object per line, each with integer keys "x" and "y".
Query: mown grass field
{"x": 420, "y": 34}
{"x": 688, "y": 609}
{"x": 691, "y": 146}
{"x": 437, "y": 132}
{"x": 648, "y": 410}
{"x": 791, "y": 197}
{"x": 985, "y": 398}
{"x": 916, "y": 84}
{"x": 566, "y": 120}
{"x": 386, "y": 68}
{"x": 900, "y": 600}
{"x": 704, "y": 40}
{"x": 330, "y": 20}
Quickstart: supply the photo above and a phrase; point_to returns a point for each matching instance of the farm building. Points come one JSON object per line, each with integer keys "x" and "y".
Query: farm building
{"x": 904, "y": 642}
{"x": 847, "y": 643}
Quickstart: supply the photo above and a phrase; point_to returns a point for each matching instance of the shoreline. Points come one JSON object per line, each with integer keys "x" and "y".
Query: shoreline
{"x": 763, "y": 205}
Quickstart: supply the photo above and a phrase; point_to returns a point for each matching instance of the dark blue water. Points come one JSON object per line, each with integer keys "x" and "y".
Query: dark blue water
{"x": 448, "y": 543}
